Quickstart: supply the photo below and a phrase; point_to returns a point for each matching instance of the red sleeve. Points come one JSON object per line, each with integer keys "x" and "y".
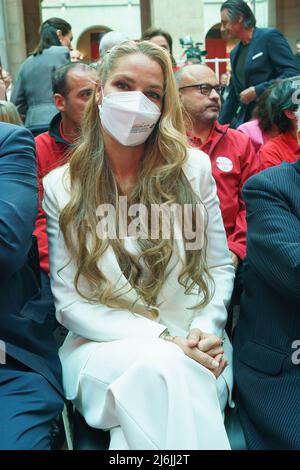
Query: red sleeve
{"x": 250, "y": 165}
{"x": 270, "y": 155}
{"x": 40, "y": 225}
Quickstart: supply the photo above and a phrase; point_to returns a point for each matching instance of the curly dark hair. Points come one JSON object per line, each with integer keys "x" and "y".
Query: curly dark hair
{"x": 273, "y": 102}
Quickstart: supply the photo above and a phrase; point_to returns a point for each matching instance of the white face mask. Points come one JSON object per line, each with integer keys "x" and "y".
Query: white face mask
{"x": 129, "y": 117}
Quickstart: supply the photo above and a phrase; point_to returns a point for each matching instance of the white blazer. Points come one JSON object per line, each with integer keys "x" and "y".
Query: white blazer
{"x": 96, "y": 322}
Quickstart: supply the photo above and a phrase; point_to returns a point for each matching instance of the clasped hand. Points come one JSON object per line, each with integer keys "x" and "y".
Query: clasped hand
{"x": 207, "y": 349}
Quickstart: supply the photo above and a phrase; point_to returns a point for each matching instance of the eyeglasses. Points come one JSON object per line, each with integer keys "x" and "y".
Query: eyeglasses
{"x": 205, "y": 88}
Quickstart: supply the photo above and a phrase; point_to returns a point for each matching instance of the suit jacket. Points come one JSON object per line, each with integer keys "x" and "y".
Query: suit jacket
{"x": 94, "y": 322}
{"x": 24, "y": 327}
{"x": 32, "y": 93}
{"x": 266, "y": 361}
{"x": 269, "y": 58}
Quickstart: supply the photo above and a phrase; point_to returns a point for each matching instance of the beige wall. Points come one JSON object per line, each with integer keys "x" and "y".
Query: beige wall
{"x": 272, "y": 14}
{"x": 85, "y": 14}
{"x": 288, "y": 20}
{"x": 84, "y": 42}
{"x": 15, "y": 34}
{"x": 179, "y": 18}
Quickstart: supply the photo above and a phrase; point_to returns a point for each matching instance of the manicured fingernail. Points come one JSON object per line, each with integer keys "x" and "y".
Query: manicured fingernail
{"x": 215, "y": 364}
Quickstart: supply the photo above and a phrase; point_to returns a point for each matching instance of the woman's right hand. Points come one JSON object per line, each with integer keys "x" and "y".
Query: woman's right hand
{"x": 207, "y": 351}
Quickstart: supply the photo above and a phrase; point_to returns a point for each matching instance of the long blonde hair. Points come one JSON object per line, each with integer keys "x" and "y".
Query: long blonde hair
{"x": 160, "y": 181}
{"x": 9, "y": 113}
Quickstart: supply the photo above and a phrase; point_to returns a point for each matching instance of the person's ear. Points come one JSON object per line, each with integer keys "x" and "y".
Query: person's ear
{"x": 181, "y": 98}
{"x": 98, "y": 93}
{"x": 59, "y": 35}
{"x": 290, "y": 114}
{"x": 60, "y": 102}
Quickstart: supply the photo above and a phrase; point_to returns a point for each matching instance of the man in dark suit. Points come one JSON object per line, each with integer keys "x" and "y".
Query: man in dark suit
{"x": 261, "y": 56}
{"x": 31, "y": 395}
{"x": 267, "y": 336}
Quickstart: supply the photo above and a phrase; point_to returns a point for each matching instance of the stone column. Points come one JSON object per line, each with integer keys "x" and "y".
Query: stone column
{"x": 288, "y": 14}
{"x": 32, "y": 22}
{"x": 14, "y": 34}
{"x": 272, "y": 14}
{"x": 3, "y": 38}
{"x": 145, "y": 6}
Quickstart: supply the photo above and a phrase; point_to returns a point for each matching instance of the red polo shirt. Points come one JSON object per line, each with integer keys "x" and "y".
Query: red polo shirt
{"x": 233, "y": 160}
{"x": 282, "y": 148}
{"x": 51, "y": 150}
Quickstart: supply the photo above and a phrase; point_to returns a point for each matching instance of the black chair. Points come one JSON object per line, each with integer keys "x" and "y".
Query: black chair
{"x": 34, "y": 260}
{"x": 38, "y": 130}
{"x": 87, "y": 438}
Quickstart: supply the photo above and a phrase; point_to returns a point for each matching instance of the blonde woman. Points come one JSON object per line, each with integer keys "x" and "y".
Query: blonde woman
{"x": 9, "y": 113}
{"x": 145, "y": 305}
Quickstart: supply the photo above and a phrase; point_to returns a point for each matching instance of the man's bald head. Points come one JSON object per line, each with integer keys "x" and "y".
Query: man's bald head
{"x": 188, "y": 73}
{"x": 203, "y": 103}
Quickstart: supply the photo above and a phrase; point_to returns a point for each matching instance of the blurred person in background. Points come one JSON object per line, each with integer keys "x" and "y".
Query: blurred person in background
{"x": 261, "y": 128}
{"x": 7, "y": 78}
{"x": 76, "y": 55}
{"x": 261, "y": 56}
{"x": 9, "y": 113}
{"x": 163, "y": 39}
{"x": 224, "y": 81}
{"x": 108, "y": 41}
{"x": 2, "y": 85}
{"x": 32, "y": 92}
{"x": 282, "y": 104}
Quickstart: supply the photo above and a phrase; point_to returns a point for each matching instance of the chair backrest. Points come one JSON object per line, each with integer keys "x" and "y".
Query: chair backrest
{"x": 34, "y": 259}
{"x": 234, "y": 429}
{"x": 38, "y": 130}
{"x": 88, "y": 438}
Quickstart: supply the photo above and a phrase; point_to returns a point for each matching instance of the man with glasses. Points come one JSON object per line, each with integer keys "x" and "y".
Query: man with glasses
{"x": 231, "y": 153}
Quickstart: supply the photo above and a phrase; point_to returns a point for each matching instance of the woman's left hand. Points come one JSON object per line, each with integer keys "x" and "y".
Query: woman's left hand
{"x": 205, "y": 342}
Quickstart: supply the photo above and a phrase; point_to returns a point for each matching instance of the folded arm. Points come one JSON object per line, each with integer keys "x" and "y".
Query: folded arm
{"x": 273, "y": 242}
{"x": 18, "y": 199}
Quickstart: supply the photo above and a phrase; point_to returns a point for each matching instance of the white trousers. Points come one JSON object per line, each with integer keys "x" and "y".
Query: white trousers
{"x": 152, "y": 396}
